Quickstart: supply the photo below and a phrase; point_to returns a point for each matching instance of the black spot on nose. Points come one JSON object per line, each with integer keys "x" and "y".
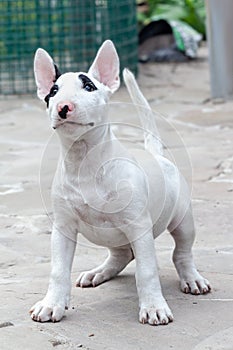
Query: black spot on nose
{"x": 63, "y": 112}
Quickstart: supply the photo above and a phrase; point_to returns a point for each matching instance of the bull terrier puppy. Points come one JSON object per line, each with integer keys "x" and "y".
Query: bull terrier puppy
{"x": 115, "y": 197}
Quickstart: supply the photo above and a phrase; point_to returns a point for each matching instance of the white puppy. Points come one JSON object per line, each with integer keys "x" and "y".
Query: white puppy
{"x": 114, "y": 197}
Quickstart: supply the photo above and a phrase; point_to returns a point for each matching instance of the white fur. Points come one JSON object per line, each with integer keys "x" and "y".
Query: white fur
{"x": 115, "y": 198}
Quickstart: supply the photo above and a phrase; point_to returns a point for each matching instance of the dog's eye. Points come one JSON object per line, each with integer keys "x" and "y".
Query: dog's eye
{"x": 89, "y": 87}
{"x": 87, "y": 84}
{"x": 53, "y": 91}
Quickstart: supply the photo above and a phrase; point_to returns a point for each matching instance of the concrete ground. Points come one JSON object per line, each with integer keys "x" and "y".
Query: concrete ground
{"x": 198, "y": 135}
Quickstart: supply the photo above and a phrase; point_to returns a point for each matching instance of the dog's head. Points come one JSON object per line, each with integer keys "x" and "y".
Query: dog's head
{"x": 75, "y": 101}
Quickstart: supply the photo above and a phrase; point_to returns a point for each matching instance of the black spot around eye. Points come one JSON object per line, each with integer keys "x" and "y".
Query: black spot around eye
{"x": 88, "y": 85}
{"x": 54, "y": 89}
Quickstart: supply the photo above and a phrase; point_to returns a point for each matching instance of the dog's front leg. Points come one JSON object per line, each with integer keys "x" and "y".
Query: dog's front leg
{"x": 153, "y": 307}
{"x": 53, "y": 306}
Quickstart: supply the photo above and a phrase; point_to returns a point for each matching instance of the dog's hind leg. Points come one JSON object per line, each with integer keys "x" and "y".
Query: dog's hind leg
{"x": 116, "y": 261}
{"x": 190, "y": 279}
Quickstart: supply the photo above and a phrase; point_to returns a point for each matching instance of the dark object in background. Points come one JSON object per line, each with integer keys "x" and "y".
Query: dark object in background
{"x": 154, "y": 28}
{"x": 163, "y": 41}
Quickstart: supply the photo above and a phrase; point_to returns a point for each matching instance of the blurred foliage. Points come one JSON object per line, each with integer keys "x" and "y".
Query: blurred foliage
{"x": 190, "y": 11}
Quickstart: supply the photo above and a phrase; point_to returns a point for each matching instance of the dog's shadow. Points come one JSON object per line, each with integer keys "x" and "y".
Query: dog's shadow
{"x": 115, "y": 298}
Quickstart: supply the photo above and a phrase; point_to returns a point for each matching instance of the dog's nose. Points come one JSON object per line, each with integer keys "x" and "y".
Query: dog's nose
{"x": 64, "y": 107}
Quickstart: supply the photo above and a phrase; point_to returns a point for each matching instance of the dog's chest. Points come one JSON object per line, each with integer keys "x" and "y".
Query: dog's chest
{"x": 90, "y": 199}
{"x": 93, "y": 217}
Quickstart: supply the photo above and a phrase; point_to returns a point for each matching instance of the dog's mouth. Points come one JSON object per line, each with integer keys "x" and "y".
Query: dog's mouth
{"x": 72, "y": 122}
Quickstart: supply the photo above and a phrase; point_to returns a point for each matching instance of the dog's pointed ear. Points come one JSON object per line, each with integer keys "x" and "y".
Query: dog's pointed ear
{"x": 105, "y": 67}
{"x": 46, "y": 72}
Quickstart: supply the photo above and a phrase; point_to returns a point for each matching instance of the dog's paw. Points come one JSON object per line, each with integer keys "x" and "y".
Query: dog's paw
{"x": 156, "y": 314}
{"x": 44, "y": 312}
{"x": 195, "y": 284}
{"x": 92, "y": 278}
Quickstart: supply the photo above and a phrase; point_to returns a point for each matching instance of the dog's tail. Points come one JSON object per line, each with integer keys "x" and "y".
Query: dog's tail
{"x": 152, "y": 141}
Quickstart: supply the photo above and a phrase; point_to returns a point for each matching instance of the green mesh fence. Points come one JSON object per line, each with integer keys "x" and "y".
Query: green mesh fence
{"x": 70, "y": 30}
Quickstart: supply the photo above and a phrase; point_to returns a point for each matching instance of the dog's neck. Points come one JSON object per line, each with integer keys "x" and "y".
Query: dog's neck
{"x": 75, "y": 151}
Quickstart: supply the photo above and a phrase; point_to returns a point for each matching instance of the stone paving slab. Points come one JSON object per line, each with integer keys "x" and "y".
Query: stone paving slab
{"x": 198, "y": 134}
